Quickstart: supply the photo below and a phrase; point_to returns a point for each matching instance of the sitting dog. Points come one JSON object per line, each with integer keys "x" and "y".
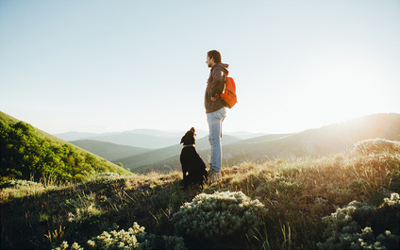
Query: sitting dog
{"x": 193, "y": 167}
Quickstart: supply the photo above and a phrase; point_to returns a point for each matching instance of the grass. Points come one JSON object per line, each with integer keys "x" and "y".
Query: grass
{"x": 297, "y": 194}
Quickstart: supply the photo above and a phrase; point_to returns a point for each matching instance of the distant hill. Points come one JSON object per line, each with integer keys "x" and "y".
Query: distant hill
{"x": 108, "y": 150}
{"x": 137, "y": 162}
{"x": 318, "y": 142}
{"x": 137, "y": 140}
{"x": 314, "y": 142}
{"x": 141, "y": 138}
{"x": 144, "y": 138}
{"x": 75, "y": 136}
{"x": 246, "y": 135}
{"x": 27, "y": 152}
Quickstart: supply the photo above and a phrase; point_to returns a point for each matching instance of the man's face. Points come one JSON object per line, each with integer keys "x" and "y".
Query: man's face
{"x": 210, "y": 62}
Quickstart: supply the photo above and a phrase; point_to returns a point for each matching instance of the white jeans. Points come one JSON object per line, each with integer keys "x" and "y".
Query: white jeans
{"x": 215, "y": 120}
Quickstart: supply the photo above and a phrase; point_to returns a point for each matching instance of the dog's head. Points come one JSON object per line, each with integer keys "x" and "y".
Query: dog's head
{"x": 188, "y": 138}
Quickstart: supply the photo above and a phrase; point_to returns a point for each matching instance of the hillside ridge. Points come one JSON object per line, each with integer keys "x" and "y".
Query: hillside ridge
{"x": 28, "y": 152}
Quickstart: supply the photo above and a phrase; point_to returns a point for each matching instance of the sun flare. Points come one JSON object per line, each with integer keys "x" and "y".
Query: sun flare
{"x": 344, "y": 88}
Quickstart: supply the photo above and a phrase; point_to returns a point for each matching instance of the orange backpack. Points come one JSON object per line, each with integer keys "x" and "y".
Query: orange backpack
{"x": 228, "y": 96}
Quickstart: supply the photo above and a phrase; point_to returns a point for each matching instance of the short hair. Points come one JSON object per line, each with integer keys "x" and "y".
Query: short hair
{"x": 214, "y": 54}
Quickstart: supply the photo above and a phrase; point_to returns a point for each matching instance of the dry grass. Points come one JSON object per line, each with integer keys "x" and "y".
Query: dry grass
{"x": 297, "y": 193}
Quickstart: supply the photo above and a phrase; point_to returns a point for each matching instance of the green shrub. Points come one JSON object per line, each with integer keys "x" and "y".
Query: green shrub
{"x": 219, "y": 216}
{"x": 352, "y": 227}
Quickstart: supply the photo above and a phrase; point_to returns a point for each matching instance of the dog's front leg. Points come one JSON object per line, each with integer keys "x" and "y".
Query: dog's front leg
{"x": 185, "y": 175}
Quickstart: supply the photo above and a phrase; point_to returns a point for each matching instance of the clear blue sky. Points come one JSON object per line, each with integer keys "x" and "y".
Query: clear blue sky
{"x": 106, "y": 66}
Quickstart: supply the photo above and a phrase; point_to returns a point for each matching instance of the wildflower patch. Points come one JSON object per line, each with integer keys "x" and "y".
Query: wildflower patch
{"x": 362, "y": 226}
{"x": 133, "y": 238}
{"x": 219, "y": 215}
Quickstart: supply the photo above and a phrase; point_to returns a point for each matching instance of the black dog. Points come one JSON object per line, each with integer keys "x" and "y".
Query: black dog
{"x": 193, "y": 167}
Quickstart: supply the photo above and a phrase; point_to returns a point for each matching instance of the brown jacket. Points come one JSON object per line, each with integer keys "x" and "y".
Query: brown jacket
{"x": 215, "y": 86}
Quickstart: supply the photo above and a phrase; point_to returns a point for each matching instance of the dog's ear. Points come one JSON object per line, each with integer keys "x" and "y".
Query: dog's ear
{"x": 183, "y": 138}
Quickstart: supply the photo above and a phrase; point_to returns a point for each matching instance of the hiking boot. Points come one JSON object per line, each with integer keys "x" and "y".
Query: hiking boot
{"x": 214, "y": 176}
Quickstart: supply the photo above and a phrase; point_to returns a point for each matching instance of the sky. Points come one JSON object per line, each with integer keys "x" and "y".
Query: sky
{"x": 109, "y": 66}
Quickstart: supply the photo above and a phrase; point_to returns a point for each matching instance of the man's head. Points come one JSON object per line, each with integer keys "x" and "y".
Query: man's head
{"x": 213, "y": 57}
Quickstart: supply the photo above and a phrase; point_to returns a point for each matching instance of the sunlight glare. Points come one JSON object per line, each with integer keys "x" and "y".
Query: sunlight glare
{"x": 343, "y": 88}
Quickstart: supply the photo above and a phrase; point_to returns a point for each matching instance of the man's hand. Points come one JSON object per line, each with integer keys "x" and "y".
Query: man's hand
{"x": 214, "y": 98}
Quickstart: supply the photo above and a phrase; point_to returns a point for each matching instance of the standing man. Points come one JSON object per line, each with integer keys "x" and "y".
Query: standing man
{"x": 215, "y": 110}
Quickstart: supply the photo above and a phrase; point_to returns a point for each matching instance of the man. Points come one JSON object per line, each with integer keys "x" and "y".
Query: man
{"x": 215, "y": 110}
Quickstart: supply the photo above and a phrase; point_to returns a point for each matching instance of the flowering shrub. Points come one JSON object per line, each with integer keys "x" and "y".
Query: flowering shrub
{"x": 19, "y": 184}
{"x": 134, "y": 238}
{"x": 219, "y": 215}
{"x": 118, "y": 239}
{"x": 393, "y": 202}
{"x": 344, "y": 229}
{"x": 65, "y": 245}
{"x": 106, "y": 175}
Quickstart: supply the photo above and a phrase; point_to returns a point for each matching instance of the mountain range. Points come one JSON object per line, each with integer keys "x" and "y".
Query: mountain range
{"x": 322, "y": 141}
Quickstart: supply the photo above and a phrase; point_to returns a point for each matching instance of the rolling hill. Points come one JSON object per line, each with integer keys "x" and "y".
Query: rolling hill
{"x": 158, "y": 156}
{"x": 314, "y": 142}
{"x": 140, "y": 138}
{"x": 108, "y": 150}
{"x": 322, "y": 141}
{"x": 144, "y": 138}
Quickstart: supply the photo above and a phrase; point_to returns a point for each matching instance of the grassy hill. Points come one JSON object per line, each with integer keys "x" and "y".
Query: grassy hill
{"x": 27, "y": 152}
{"x": 347, "y": 200}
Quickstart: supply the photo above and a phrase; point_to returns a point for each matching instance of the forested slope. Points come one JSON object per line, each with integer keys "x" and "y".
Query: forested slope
{"x": 26, "y": 153}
